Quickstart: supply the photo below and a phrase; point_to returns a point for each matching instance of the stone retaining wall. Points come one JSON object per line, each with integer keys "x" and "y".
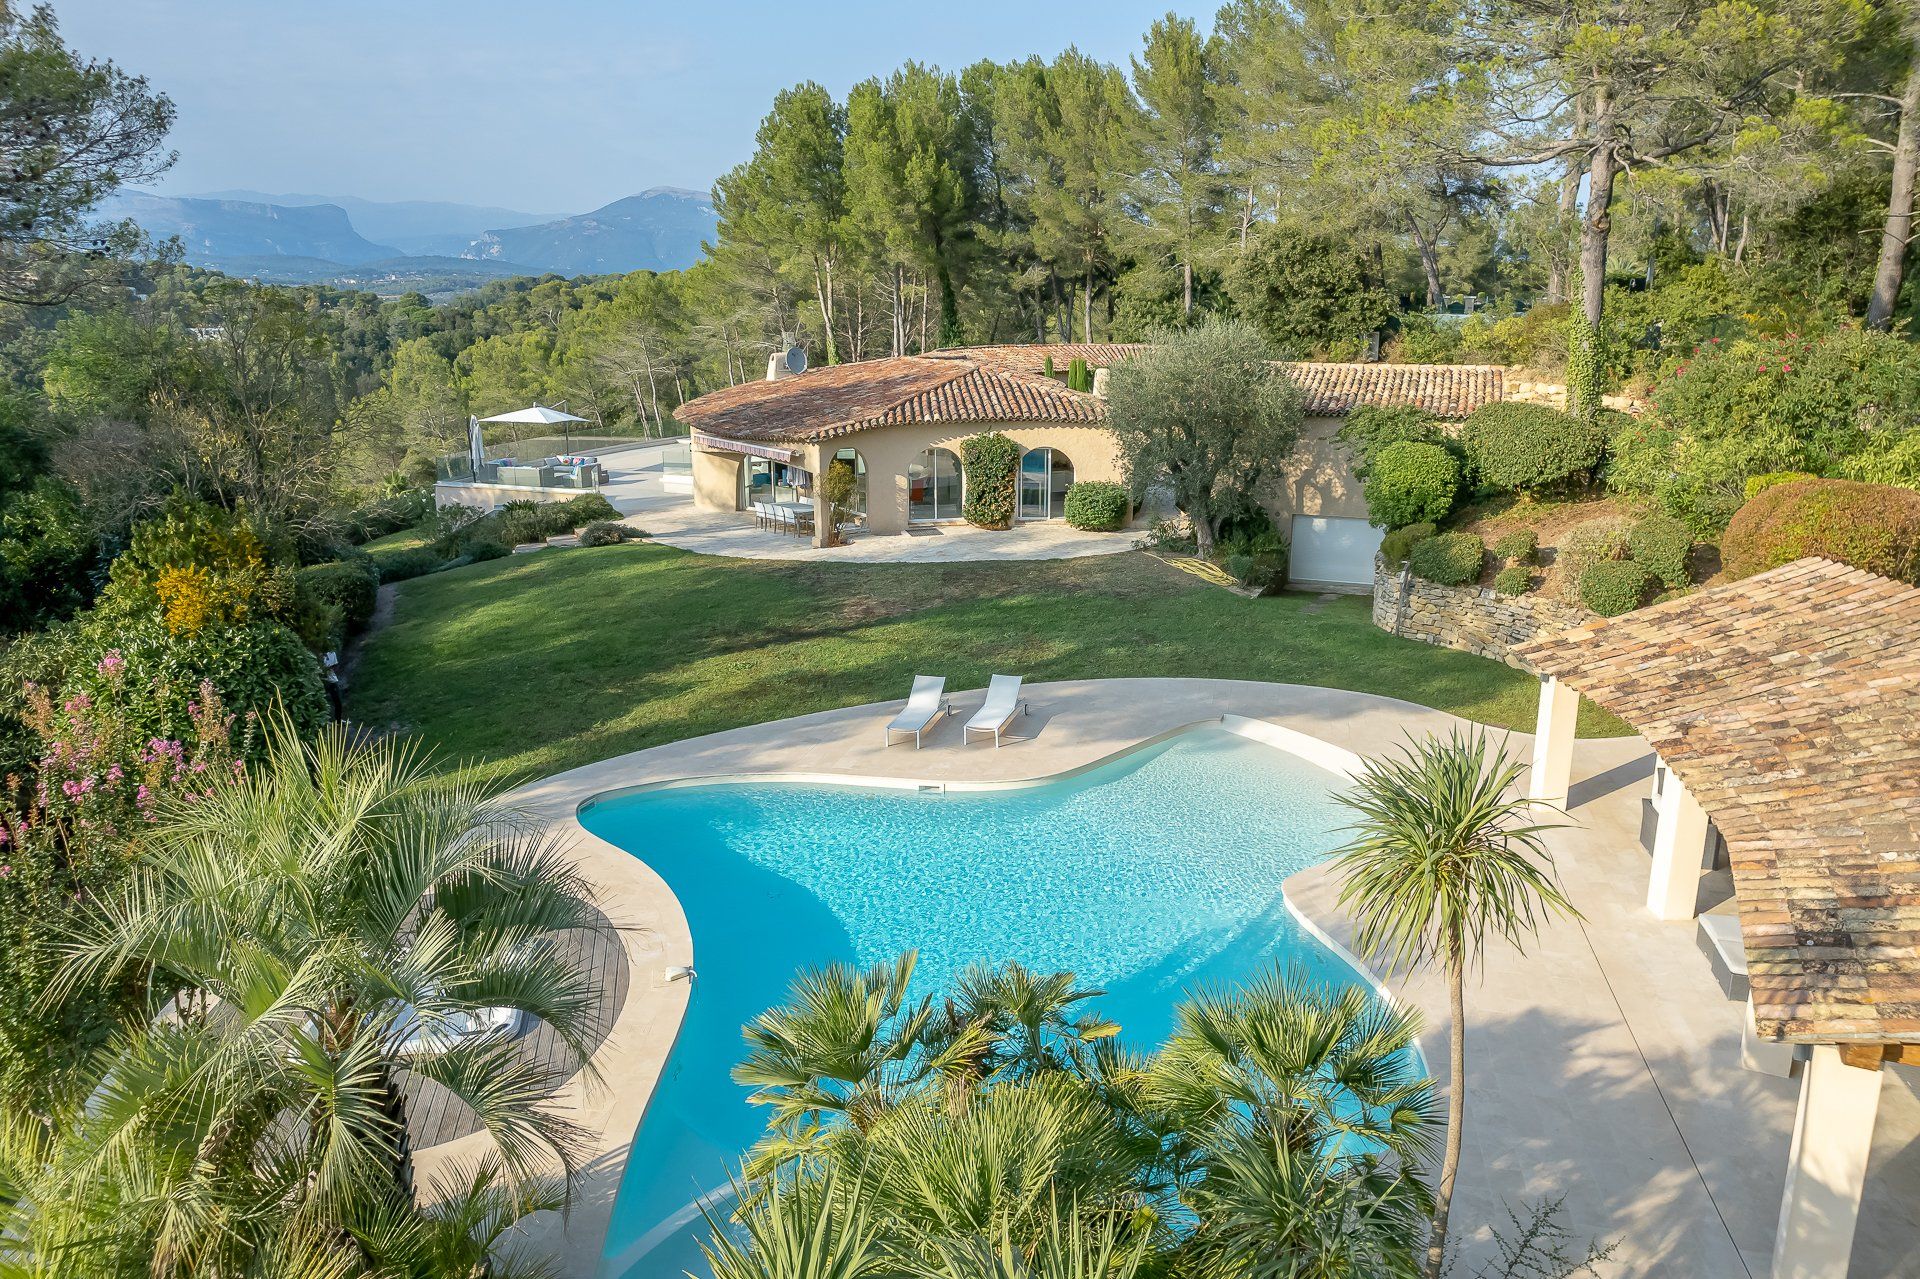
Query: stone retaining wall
{"x": 1472, "y": 619}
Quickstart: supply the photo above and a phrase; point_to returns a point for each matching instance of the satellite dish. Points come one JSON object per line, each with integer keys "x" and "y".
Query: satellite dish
{"x": 796, "y": 358}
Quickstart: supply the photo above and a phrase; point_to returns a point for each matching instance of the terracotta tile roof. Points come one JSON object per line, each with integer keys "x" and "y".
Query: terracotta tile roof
{"x": 822, "y": 404}
{"x": 1008, "y": 384}
{"x": 1031, "y": 358}
{"x": 1332, "y": 390}
{"x": 1444, "y": 390}
{"x": 1789, "y": 705}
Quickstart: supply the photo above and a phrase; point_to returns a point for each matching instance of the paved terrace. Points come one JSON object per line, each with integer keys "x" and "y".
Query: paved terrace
{"x": 1604, "y": 1064}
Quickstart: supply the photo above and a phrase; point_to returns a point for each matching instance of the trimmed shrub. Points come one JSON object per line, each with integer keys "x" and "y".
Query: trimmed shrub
{"x": 398, "y": 566}
{"x": 1370, "y": 428}
{"x": 1515, "y": 579}
{"x": 1395, "y": 546}
{"x": 1451, "y": 559}
{"x": 1664, "y": 545}
{"x": 1530, "y": 448}
{"x": 1871, "y": 526}
{"x": 1239, "y": 567}
{"x": 1518, "y": 547}
{"x": 1098, "y": 506}
{"x": 587, "y": 508}
{"x": 605, "y": 533}
{"x": 485, "y": 548}
{"x": 1613, "y": 587}
{"x": 1758, "y": 484}
{"x": 1269, "y": 572}
{"x": 989, "y": 463}
{"x": 1411, "y": 483}
{"x": 347, "y": 586}
{"x": 1583, "y": 546}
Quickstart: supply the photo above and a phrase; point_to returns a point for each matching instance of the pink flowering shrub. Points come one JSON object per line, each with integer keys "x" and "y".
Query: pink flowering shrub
{"x": 69, "y": 833}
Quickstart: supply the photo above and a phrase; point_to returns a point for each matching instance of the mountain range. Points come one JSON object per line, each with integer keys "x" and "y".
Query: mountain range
{"x": 435, "y": 246}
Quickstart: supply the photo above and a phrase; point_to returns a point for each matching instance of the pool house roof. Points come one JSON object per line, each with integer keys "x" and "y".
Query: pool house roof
{"x": 1787, "y": 704}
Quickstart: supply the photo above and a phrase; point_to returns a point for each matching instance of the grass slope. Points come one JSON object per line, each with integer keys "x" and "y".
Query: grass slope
{"x": 536, "y": 663}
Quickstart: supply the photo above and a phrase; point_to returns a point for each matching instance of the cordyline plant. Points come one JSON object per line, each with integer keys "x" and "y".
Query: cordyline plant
{"x": 1445, "y": 857}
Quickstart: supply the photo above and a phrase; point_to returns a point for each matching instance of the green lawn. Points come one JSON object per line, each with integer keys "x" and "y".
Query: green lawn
{"x": 536, "y": 663}
{"x": 403, "y": 540}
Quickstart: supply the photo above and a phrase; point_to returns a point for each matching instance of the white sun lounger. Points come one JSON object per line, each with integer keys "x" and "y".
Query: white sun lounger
{"x": 1002, "y": 704}
{"x": 924, "y": 705}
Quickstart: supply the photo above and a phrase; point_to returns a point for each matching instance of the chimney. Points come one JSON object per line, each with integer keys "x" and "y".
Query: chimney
{"x": 777, "y": 366}
{"x": 1100, "y": 382}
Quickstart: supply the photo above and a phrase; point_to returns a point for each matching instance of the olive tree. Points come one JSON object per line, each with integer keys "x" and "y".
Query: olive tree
{"x": 1207, "y": 412}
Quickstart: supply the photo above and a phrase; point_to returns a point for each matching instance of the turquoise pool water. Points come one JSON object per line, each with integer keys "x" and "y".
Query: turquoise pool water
{"x": 1154, "y": 873}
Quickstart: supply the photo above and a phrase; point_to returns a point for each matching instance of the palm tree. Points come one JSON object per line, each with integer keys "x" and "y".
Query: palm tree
{"x": 1029, "y": 1017}
{"x": 1299, "y": 1118}
{"x": 844, "y": 1050}
{"x": 1443, "y": 857}
{"x": 337, "y": 918}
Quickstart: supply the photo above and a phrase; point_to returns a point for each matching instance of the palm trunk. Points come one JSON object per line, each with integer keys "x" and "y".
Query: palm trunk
{"x": 1898, "y": 230}
{"x": 1456, "y": 1106}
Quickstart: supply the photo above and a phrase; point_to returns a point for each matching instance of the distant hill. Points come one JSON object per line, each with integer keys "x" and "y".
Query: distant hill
{"x": 411, "y": 226}
{"x": 433, "y": 274}
{"x": 433, "y": 246}
{"x": 217, "y": 231}
{"x": 658, "y": 230}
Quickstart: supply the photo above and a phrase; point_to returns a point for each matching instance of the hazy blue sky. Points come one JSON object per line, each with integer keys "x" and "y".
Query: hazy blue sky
{"x": 550, "y": 107}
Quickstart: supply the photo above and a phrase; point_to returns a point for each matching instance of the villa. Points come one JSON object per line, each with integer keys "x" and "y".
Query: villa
{"x": 899, "y": 423}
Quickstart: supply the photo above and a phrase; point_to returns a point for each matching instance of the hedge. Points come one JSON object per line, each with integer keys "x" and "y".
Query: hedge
{"x": 1096, "y": 505}
{"x": 350, "y": 586}
{"x": 1519, "y": 547}
{"x": 398, "y": 566}
{"x": 1664, "y": 545}
{"x": 1451, "y": 559}
{"x": 1411, "y": 483}
{"x": 1530, "y": 448}
{"x": 1515, "y": 579}
{"x": 605, "y": 533}
{"x": 1613, "y": 587}
{"x": 989, "y": 465}
{"x": 1395, "y": 546}
{"x": 1871, "y": 526}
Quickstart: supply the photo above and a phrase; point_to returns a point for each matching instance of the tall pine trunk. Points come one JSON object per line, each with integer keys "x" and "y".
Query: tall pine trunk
{"x": 1456, "y": 1105}
{"x": 1898, "y": 230}
{"x": 1598, "y": 224}
{"x": 1569, "y": 204}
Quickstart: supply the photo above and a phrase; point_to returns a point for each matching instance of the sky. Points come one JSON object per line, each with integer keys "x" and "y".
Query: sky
{"x": 554, "y": 107}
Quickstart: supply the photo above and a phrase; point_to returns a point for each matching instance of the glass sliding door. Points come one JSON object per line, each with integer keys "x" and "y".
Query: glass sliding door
{"x": 1045, "y": 477}
{"x": 1033, "y": 484}
{"x": 933, "y": 487}
{"x": 852, "y": 458}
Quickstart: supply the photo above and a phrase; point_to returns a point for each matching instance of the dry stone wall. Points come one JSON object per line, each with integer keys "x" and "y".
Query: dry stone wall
{"x": 1472, "y": 619}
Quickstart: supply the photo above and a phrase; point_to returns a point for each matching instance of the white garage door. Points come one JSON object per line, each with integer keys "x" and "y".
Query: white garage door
{"x": 1333, "y": 552}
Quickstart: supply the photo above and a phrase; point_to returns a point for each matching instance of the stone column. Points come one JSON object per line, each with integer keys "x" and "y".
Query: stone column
{"x": 1553, "y": 743}
{"x": 1679, "y": 852}
{"x": 1827, "y": 1165}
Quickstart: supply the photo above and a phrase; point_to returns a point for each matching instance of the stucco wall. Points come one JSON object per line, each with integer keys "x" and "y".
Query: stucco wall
{"x": 888, "y": 451}
{"x": 716, "y": 480}
{"x": 1471, "y": 619}
{"x": 486, "y": 497}
{"x": 1318, "y": 478}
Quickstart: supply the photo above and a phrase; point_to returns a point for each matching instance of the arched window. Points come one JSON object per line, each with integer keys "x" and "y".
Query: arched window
{"x": 851, "y": 457}
{"x": 1045, "y": 477}
{"x": 933, "y": 487}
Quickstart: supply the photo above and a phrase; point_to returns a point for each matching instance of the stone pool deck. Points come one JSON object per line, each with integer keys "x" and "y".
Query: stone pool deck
{"x": 1603, "y": 1064}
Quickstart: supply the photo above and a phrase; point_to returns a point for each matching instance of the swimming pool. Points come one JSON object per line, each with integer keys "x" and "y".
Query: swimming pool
{"x": 1146, "y": 875}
